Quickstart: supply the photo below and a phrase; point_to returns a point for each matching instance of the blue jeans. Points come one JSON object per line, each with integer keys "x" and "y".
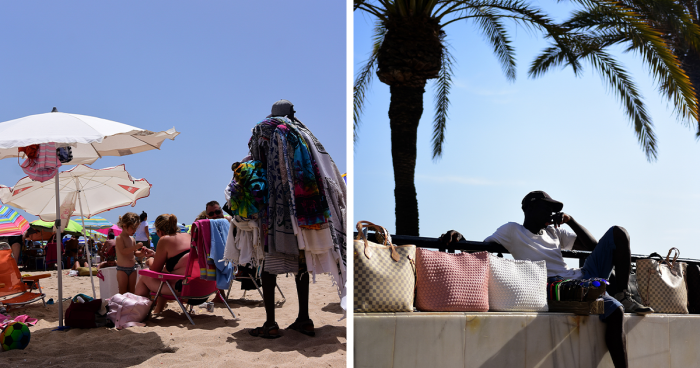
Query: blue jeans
{"x": 600, "y": 264}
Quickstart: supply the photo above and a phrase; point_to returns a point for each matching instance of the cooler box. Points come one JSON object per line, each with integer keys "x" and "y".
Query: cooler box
{"x": 108, "y": 282}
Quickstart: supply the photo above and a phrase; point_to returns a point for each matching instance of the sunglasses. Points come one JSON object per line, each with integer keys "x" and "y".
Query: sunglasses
{"x": 212, "y": 213}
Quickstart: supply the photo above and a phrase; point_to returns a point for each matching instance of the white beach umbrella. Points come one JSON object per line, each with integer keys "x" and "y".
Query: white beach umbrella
{"x": 93, "y": 191}
{"x": 90, "y": 138}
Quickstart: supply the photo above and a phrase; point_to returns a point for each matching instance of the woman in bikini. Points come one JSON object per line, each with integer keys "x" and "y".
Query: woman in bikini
{"x": 171, "y": 256}
{"x": 127, "y": 251}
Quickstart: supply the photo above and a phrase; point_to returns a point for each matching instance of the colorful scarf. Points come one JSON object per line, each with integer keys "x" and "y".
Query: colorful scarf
{"x": 248, "y": 189}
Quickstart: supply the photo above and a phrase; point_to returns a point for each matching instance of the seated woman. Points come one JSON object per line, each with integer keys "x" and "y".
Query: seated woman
{"x": 171, "y": 256}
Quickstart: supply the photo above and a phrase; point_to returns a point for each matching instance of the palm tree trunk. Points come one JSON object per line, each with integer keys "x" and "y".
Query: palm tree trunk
{"x": 405, "y": 111}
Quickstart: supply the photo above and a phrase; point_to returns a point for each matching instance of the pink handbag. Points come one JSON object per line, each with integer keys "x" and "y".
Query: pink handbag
{"x": 452, "y": 282}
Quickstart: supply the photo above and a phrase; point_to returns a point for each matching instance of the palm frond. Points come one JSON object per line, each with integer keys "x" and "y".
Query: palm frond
{"x": 364, "y": 78}
{"x": 629, "y": 96}
{"x": 496, "y": 33}
{"x": 442, "y": 91}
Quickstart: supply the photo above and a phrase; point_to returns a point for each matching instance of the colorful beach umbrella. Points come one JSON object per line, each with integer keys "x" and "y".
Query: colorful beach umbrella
{"x": 72, "y": 228}
{"x": 94, "y": 223}
{"x": 11, "y": 222}
{"x": 116, "y": 229}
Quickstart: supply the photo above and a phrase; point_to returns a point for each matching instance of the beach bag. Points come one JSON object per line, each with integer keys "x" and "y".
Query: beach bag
{"x": 128, "y": 310}
{"x": 83, "y": 315}
{"x": 517, "y": 285}
{"x": 384, "y": 274}
{"x": 662, "y": 283}
{"x": 693, "y": 282}
{"x": 452, "y": 282}
{"x": 85, "y": 271}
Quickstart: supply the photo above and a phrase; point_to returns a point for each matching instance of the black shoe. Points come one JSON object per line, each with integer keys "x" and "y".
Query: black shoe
{"x": 631, "y": 305}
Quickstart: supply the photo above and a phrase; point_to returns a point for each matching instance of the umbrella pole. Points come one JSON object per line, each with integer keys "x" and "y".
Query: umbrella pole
{"x": 87, "y": 251}
{"x": 59, "y": 252}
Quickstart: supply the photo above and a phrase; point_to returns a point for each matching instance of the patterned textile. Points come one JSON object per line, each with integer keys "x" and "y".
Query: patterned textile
{"x": 309, "y": 200}
{"x": 201, "y": 237}
{"x": 45, "y": 165}
{"x": 248, "y": 189}
{"x": 662, "y": 285}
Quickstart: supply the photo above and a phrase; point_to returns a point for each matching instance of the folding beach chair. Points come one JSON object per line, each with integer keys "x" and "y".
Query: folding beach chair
{"x": 245, "y": 275}
{"x": 195, "y": 291}
{"x": 16, "y": 290}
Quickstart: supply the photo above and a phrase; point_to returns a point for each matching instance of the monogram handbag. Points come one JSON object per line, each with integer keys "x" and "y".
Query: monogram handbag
{"x": 384, "y": 274}
{"x": 517, "y": 285}
{"x": 662, "y": 283}
{"x": 452, "y": 282}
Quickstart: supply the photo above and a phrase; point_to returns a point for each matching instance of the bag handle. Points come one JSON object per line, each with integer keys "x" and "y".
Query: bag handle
{"x": 381, "y": 231}
{"x": 671, "y": 264}
{"x": 678, "y": 252}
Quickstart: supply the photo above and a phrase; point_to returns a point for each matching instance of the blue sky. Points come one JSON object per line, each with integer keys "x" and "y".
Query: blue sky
{"x": 559, "y": 133}
{"x": 210, "y": 69}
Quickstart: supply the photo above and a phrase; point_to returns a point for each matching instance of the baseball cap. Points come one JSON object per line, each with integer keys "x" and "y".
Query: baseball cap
{"x": 539, "y": 195}
{"x": 282, "y": 108}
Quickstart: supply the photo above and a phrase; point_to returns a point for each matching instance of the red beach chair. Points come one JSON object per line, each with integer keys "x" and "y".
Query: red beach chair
{"x": 16, "y": 290}
{"x": 195, "y": 291}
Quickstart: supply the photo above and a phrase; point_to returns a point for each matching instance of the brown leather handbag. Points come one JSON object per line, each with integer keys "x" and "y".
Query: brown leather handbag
{"x": 384, "y": 273}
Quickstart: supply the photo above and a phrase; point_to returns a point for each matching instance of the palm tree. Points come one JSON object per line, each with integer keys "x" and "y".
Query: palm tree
{"x": 409, "y": 49}
{"x": 661, "y": 31}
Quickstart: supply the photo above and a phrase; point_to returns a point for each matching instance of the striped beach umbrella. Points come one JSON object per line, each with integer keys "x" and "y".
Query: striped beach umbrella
{"x": 11, "y": 222}
{"x": 95, "y": 222}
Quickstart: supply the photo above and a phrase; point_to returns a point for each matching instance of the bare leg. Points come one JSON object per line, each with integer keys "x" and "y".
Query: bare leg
{"x": 160, "y": 305}
{"x": 302, "y": 281}
{"x": 615, "y": 338}
{"x": 123, "y": 282}
{"x": 132, "y": 282}
{"x": 269, "y": 282}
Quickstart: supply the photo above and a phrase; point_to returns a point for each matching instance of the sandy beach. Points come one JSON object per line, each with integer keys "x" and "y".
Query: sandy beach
{"x": 169, "y": 340}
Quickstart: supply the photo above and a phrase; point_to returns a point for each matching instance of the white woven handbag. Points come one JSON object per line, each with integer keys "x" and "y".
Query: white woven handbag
{"x": 517, "y": 286}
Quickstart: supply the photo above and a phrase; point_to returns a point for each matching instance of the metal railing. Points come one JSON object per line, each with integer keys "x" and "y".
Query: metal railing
{"x": 473, "y": 246}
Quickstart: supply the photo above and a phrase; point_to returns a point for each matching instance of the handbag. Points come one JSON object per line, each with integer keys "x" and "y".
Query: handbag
{"x": 662, "y": 283}
{"x": 517, "y": 285}
{"x": 452, "y": 282}
{"x": 384, "y": 274}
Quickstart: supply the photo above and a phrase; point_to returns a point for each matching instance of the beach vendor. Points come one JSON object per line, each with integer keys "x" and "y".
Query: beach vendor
{"x": 302, "y": 225}
{"x": 541, "y": 237}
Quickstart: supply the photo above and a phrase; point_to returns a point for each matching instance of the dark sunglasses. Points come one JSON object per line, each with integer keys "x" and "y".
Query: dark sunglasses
{"x": 212, "y": 213}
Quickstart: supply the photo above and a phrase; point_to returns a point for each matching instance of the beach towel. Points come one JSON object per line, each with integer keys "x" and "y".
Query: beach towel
{"x": 219, "y": 231}
{"x": 244, "y": 247}
{"x": 201, "y": 231}
{"x": 44, "y": 166}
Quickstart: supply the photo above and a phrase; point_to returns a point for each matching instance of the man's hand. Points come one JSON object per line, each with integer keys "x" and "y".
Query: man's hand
{"x": 450, "y": 237}
{"x": 558, "y": 219}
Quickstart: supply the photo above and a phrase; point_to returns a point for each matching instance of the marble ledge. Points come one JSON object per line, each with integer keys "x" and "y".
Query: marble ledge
{"x": 518, "y": 339}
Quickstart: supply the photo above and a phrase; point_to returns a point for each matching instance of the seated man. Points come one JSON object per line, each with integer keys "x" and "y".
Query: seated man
{"x": 541, "y": 237}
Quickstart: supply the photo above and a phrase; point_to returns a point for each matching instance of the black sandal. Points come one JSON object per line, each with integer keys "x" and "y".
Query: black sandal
{"x": 264, "y": 331}
{"x": 303, "y": 327}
